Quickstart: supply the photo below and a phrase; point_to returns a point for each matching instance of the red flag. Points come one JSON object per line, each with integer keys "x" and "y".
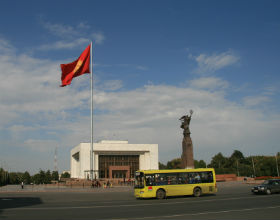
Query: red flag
{"x": 76, "y": 68}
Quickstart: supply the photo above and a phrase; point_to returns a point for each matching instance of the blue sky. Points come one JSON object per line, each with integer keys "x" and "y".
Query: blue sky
{"x": 153, "y": 62}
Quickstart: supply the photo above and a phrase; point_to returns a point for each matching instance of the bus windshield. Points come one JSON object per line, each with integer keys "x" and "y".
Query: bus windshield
{"x": 139, "y": 180}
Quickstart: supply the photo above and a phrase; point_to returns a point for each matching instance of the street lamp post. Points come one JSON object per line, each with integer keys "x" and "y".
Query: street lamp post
{"x": 237, "y": 167}
{"x": 277, "y": 165}
{"x": 254, "y": 167}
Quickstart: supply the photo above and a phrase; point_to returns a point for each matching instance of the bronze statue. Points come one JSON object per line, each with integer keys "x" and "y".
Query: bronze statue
{"x": 186, "y": 123}
{"x": 187, "y": 146}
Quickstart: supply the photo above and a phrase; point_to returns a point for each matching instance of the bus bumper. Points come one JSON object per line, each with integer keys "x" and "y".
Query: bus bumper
{"x": 142, "y": 193}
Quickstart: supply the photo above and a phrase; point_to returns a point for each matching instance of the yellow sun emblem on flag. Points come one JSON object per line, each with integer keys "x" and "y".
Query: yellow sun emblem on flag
{"x": 78, "y": 65}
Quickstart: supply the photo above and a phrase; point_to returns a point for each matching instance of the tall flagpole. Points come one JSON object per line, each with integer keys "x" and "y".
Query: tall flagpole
{"x": 91, "y": 115}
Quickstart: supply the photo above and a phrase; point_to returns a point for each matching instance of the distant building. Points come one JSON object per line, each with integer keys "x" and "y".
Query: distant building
{"x": 113, "y": 159}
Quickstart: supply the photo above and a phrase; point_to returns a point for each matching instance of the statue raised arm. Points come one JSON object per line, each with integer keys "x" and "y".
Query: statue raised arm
{"x": 186, "y": 122}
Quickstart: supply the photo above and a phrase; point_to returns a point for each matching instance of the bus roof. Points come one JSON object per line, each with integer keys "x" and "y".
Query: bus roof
{"x": 177, "y": 170}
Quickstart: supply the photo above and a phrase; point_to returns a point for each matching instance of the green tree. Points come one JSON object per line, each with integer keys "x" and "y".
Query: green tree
{"x": 244, "y": 166}
{"x": 3, "y": 177}
{"x": 199, "y": 164}
{"x": 236, "y": 159}
{"x": 65, "y": 175}
{"x": 14, "y": 178}
{"x": 48, "y": 177}
{"x": 42, "y": 177}
{"x": 278, "y": 163}
{"x": 219, "y": 162}
{"x": 55, "y": 175}
{"x": 161, "y": 166}
{"x": 174, "y": 164}
{"x": 36, "y": 179}
{"x": 26, "y": 178}
{"x": 237, "y": 155}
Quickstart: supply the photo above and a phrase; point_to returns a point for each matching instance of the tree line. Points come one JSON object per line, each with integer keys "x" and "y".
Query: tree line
{"x": 42, "y": 177}
{"x": 237, "y": 163}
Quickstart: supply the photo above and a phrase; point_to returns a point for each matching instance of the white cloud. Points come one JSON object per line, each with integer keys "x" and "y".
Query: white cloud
{"x": 270, "y": 90}
{"x": 83, "y": 25}
{"x": 211, "y": 63}
{"x": 98, "y": 37}
{"x": 136, "y": 66}
{"x": 60, "y": 29}
{"x": 65, "y": 44}
{"x": 111, "y": 85}
{"x": 151, "y": 115}
{"x": 209, "y": 83}
{"x": 37, "y": 115}
{"x": 140, "y": 67}
{"x": 256, "y": 100}
{"x": 40, "y": 145}
{"x": 5, "y": 47}
{"x": 71, "y": 36}
{"x": 66, "y": 31}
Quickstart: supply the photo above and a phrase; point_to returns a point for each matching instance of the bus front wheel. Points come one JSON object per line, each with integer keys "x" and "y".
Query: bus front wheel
{"x": 197, "y": 192}
{"x": 161, "y": 194}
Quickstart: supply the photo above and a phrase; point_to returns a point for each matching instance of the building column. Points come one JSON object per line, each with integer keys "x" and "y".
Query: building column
{"x": 110, "y": 172}
{"x": 96, "y": 166}
{"x": 128, "y": 173}
{"x": 142, "y": 162}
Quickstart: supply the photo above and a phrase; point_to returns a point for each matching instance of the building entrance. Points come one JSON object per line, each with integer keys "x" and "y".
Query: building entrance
{"x": 119, "y": 174}
{"x": 118, "y": 166}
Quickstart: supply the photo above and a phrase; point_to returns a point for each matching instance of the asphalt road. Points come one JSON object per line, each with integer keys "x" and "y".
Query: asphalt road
{"x": 233, "y": 201}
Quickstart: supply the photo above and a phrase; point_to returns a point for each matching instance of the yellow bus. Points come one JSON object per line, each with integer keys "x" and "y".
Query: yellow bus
{"x": 178, "y": 182}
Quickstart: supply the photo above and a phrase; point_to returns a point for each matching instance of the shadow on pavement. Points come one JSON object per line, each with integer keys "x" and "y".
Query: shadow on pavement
{"x": 17, "y": 202}
{"x": 178, "y": 197}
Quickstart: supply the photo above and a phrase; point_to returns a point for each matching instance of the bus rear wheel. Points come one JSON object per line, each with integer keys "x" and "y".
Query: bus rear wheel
{"x": 197, "y": 192}
{"x": 161, "y": 194}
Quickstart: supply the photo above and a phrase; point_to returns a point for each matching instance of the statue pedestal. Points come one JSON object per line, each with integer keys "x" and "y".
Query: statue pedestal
{"x": 187, "y": 153}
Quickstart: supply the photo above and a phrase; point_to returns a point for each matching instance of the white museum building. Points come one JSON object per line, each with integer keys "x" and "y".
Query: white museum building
{"x": 113, "y": 159}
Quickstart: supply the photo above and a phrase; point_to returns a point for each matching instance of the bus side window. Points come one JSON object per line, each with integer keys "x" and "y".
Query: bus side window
{"x": 182, "y": 178}
{"x": 160, "y": 179}
{"x": 191, "y": 178}
{"x": 150, "y": 180}
{"x": 207, "y": 177}
{"x": 204, "y": 177}
{"x": 210, "y": 177}
{"x": 197, "y": 178}
{"x": 171, "y": 179}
